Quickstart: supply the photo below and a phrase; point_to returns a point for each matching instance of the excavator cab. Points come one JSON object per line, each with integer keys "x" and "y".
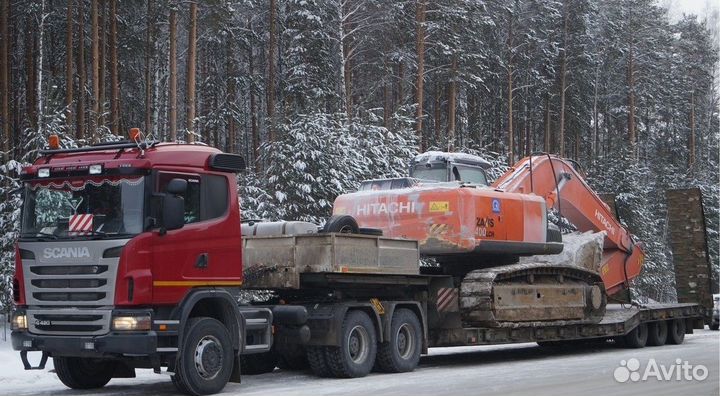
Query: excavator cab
{"x": 449, "y": 167}
{"x": 436, "y": 167}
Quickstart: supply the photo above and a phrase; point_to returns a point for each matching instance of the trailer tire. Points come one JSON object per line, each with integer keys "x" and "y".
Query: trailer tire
{"x": 258, "y": 363}
{"x": 355, "y": 356}
{"x": 676, "y": 331}
{"x": 83, "y": 373}
{"x": 344, "y": 224}
{"x": 401, "y": 353}
{"x": 657, "y": 333}
{"x": 206, "y": 343}
{"x": 637, "y": 337}
{"x": 318, "y": 362}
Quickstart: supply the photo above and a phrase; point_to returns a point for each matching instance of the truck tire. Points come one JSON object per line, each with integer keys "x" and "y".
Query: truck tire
{"x": 83, "y": 373}
{"x": 258, "y": 363}
{"x": 355, "y": 356}
{"x": 676, "y": 331}
{"x": 637, "y": 337}
{"x": 401, "y": 353}
{"x": 657, "y": 333}
{"x": 343, "y": 224}
{"x": 318, "y": 362}
{"x": 205, "y": 360}
{"x": 715, "y": 326}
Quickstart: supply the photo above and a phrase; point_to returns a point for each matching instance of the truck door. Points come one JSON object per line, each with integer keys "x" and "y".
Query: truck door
{"x": 206, "y": 251}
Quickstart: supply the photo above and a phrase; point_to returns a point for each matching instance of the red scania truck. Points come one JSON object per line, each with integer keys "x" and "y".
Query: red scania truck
{"x": 133, "y": 255}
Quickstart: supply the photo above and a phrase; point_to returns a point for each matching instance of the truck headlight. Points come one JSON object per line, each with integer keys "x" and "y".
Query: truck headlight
{"x": 131, "y": 323}
{"x": 19, "y": 322}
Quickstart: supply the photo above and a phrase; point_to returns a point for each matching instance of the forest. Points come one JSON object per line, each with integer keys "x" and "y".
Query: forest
{"x": 318, "y": 95}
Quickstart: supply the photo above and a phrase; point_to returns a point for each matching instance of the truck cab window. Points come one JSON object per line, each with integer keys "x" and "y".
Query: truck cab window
{"x": 191, "y": 196}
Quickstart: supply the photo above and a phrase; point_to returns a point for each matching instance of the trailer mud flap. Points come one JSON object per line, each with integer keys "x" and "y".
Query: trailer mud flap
{"x": 28, "y": 366}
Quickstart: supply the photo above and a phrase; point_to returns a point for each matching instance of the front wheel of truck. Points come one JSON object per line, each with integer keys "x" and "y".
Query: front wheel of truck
{"x": 205, "y": 362}
{"x": 83, "y": 373}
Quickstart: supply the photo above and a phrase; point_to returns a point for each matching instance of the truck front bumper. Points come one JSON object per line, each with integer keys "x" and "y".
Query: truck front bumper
{"x": 111, "y": 344}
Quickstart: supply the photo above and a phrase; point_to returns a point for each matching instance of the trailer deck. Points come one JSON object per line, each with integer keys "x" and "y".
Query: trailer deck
{"x": 618, "y": 321}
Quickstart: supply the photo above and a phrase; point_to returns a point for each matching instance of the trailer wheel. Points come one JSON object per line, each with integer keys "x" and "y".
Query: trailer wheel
{"x": 657, "y": 333}
{"x": 401, "y": 353}
{"x": 318, "y": 362}
{"x": 676, "y": 331}
{"x": 355, "y": 356}
{"x": 205, "y": 361}
{"x": 258, "y": 363}
{"x": 83, "y": 373}
{"x": 637, "y": 337}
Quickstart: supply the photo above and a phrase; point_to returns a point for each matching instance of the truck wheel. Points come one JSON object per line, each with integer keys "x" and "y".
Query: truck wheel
{"x": 355, "y": 356}
{"x": 637, "y": 337}
{"x": 258, "y": 363}
{"x": 318, "y": 362}
{"x": 401, "y": 353}
{"x": 83, "y": 373}
{"x": 344, "y": 224}
{"x": 657, "y": 333}
{"x": 205, "y": 361}
{"x": 676, "y": 331}
{"x": 715, "y": 326}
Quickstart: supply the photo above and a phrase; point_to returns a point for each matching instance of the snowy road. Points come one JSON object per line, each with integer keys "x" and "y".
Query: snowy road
{"x": 508, "y": 370}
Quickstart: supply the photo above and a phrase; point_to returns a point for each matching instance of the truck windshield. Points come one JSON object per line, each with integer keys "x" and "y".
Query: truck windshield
{"x": 78, "y": 208}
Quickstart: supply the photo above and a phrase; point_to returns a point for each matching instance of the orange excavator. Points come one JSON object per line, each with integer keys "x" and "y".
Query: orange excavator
{"x": 478, "y": 232}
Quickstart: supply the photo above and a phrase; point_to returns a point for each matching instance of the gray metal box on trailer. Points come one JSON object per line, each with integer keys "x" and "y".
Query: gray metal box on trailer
{"x": 276, "y": 262}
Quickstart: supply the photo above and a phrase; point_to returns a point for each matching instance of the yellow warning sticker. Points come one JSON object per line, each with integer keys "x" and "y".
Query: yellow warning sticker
{"x": 439, "y": 206}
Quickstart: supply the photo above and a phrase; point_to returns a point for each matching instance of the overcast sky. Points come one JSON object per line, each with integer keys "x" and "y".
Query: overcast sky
{"x": 697, "y": 7}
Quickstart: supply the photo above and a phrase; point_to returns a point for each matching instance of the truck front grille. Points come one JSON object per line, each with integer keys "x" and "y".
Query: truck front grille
{"x": 69, "y": 321}
{"x": 71, "y": 284}
{"x": 70, "y": 294}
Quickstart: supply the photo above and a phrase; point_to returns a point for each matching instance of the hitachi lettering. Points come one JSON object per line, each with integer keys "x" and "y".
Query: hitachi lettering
{"x": 67, "y": 252}
{"x": 609, "y": 227}
{"x": 384, "y": 208}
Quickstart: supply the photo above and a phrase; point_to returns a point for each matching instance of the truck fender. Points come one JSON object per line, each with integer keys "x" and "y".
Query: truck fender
{"x": 386, "y": 319}
{"x": 325, "y": 321}
{"x": 217, "y": 303}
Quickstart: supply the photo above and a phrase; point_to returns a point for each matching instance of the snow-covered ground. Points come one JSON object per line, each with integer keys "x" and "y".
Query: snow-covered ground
{"x": 508, "y": 370}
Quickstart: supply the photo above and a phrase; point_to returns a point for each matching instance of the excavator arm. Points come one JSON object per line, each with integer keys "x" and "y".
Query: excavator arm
{"x": 565, "y": 190}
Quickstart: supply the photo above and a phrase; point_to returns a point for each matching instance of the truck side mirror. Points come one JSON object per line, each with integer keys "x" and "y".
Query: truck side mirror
{"x": 176, "y": 186}
{"x": 173, "y": 205}
{"x": 173, "y": 212}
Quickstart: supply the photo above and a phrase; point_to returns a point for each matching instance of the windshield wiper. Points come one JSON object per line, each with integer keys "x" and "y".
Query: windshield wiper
{"x": 37, "y": 234}
{"x": 94, "y": 233}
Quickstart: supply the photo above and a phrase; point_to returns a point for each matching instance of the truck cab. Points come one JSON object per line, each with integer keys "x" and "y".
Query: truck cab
{"x": 130, "y": 257}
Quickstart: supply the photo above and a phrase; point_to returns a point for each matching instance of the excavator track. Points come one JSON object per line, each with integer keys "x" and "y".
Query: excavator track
{"x": 526, "y": 294}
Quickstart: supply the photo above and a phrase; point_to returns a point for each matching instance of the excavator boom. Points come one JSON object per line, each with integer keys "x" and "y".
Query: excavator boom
{"x": 565, "y": 190}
